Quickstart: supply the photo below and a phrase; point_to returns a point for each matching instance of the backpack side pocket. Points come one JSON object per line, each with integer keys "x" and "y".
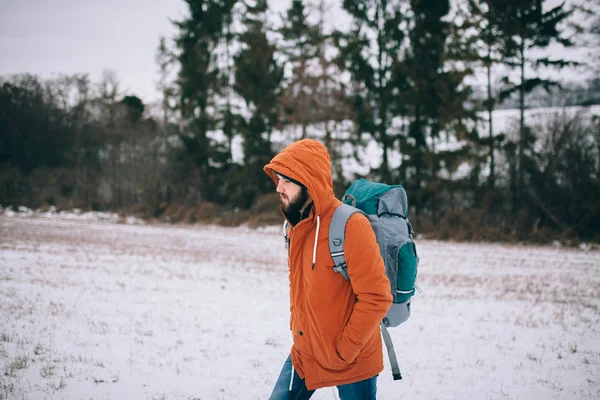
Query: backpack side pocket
{"x": 407, "y": 272}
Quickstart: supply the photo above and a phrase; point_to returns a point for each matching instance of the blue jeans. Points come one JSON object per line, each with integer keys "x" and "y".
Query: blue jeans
{"x": 362, "y": 390}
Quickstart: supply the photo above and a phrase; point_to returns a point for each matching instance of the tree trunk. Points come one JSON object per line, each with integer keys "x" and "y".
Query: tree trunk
{"x": 522, "y": 132}
{"x": 490, "y": 107}
{"x": 383, "y": 139}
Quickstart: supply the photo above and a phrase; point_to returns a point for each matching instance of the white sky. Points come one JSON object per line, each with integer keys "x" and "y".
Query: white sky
{"x": 69, "y": 36}
{"x": 46, "y": 37}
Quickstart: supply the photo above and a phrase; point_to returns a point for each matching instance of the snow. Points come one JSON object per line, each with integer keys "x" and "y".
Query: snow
{"x": 507, "y": 121}
{"x": 75, "y": 214}
{"x": 370, "y": 154}
{"x": 93, "y": 308}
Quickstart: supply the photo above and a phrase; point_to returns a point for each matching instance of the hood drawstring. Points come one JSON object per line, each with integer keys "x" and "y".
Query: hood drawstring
{"x": 316, "y": 240}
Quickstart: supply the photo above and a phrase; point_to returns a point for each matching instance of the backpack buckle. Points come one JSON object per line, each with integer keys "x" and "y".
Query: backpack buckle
{"x": 342, "y": 269}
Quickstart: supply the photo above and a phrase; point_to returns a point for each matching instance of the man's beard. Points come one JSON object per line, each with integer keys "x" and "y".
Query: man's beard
{"x": 292, "y": 209}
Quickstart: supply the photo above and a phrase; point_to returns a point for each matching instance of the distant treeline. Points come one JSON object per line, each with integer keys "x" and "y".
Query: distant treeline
{"x": 396, "y": 77}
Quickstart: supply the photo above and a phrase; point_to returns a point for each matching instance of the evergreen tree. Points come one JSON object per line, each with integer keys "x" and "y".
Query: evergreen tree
{"x": 593, "y": 43}
{"x": 595, "y": 30}
{"x": 134, "y": 108}
{"x": 437, "y": 104}
{"x": 35, "y": 132}
{"x": 369, "y": 52}
{"x": 299, "y": 47}
{"x": 258, "y": 80}
{"x": 486, "y": 43}
{"x": 313, "y": 93}
{"x": 200, "y": 89}
{"x": 330, "y": 94}
{"x": 526, "y": 26}
{"x": 231, "y": 120}
{"x": 164, "y": 60}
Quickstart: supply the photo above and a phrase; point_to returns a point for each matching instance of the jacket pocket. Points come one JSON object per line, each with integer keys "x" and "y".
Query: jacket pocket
{"x": 338, "y": 361}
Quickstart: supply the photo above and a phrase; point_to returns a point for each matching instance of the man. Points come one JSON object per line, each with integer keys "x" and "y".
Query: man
{"x": 334, "y": 322}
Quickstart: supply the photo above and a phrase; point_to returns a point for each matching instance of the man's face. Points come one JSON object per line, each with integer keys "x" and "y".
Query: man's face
{"x": 293, "y": 197}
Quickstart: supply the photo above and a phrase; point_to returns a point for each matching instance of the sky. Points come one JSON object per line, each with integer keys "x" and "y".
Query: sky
{"x": 70, "y": 36}
{"x": 46, "y": 37}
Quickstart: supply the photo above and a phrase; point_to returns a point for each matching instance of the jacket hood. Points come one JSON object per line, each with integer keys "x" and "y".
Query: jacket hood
{"x": 306, "y": 161}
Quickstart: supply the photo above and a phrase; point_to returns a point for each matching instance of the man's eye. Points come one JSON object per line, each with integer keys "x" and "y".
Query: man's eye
{"x": 286, "y": 180}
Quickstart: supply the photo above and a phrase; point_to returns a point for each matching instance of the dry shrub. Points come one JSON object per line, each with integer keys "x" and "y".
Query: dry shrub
{"x": 266, "y": 203}
{"x": 460, "y": 225}
{"x": 465, "y": 225}
{"x": 205, "y": 211}
{"x": 233, "y": 217}
{"x": 265, "y": 211}
{"x": 422, "y": 225}
{"x": 187, "y": 215}
{"x": 43, "y": 186}
{"x": 173, "y": 213}
{"x": 481, "y": 225}
{"x": 202, "y": 212}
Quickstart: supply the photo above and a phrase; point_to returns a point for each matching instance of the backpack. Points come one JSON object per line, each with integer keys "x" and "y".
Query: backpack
{"x": 386, "y": 207}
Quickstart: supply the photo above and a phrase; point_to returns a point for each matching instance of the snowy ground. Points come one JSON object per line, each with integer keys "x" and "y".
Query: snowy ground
{"x": 91, "y": 308}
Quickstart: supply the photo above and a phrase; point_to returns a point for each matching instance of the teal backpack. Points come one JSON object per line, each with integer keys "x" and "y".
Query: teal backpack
{"x": 386, "y": 207}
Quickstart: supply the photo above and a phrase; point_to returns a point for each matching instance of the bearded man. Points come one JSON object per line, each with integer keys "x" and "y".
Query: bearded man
{"x": 334, "y": 321}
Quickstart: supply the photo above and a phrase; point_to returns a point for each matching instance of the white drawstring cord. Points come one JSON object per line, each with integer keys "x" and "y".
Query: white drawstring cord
{"x": 316, "y": 240}
{"x": 285, "y": 224}
{"x": 292, "y": 378}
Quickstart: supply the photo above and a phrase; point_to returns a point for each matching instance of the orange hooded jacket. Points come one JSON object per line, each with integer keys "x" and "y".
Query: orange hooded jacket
{"x": 334, "y": 322}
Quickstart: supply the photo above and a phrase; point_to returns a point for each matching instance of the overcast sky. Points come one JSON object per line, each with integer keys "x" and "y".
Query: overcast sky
{"x": 70, "y": 36}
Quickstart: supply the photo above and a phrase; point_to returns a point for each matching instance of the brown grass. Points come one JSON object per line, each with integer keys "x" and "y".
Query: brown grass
{"x": 264, "y": 212}
{"x": 479, "y": 225}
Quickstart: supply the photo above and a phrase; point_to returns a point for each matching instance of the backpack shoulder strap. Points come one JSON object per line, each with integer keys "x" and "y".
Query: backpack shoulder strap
{"x": 337, "y": 230}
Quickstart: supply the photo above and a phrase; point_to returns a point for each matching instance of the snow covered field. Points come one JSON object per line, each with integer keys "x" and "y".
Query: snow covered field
{"x": 94, "y": 309}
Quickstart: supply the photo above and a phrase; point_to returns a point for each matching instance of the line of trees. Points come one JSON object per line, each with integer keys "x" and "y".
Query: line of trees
{"x": 399, "y": 76}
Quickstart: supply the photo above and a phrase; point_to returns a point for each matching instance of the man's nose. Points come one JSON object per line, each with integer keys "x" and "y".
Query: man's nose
{"x": 280, "y": 187}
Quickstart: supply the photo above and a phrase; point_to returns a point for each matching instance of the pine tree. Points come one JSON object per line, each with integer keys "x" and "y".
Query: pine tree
{"x": 258, "y": 79}
{"x": 526, "y": 26}
{"x": 299, "y": 48}
{"x": 588, "y": 37}
{"x": 330, "y": 95}
{"x": 485, "y": 42}
{"x": 164, "y": 60}
{"x": 231, "y": 123}
{"x": 369, "y": 52}
{"x": 200, "y": 89}
{"x": 436, "y": 103}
